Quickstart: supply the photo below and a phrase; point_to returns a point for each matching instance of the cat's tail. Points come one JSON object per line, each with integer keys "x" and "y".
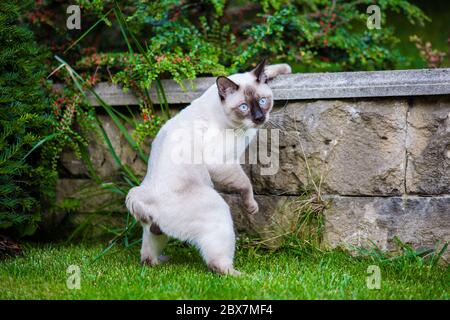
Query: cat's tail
{"x": 138, "y": 203}
{"x": 274, "y": 70}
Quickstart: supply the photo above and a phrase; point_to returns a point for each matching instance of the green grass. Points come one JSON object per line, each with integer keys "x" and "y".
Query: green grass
{"x": 288, "y": 274}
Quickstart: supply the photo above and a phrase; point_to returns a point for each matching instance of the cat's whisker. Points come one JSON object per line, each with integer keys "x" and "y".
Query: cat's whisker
{"x": 282, "y": 109}
{"x": 275, "y": 124}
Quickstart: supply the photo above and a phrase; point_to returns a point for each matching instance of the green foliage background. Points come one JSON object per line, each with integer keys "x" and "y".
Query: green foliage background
{"x": 187, "y": 39}
{"x": 25, "y": 178}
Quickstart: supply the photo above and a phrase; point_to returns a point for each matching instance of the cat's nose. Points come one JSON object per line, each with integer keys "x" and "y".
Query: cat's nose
{"x": 259, "y": 118}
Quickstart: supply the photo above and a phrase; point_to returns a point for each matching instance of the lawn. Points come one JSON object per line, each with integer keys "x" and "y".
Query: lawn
{"x": 41, "y": 273}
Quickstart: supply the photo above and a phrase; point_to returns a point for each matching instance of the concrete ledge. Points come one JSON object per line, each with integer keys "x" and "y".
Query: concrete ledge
{"x": 309, "y": 86}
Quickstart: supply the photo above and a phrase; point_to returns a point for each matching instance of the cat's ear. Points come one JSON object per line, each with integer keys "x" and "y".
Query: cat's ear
{"x": 225, "y": 86}
{"x": 260, "y": 71}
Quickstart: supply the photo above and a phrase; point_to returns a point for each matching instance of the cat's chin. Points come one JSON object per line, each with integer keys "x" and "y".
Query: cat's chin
{"x": 258, "y": 125}
{"x": 253, "y": 125}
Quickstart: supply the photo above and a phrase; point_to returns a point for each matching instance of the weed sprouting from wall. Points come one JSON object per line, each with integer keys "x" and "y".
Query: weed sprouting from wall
{"x": 298, "y": 223}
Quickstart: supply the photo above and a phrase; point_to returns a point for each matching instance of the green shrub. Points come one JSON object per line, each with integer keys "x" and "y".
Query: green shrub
{"x": 184, "y": 40}
{"x": 26, "y": 179}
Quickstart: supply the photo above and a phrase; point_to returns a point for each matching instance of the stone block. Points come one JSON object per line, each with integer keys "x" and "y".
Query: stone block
{"x": 428, "y": 146}
{"x": 358, "y": 221}
{"x": 351, "y": 148}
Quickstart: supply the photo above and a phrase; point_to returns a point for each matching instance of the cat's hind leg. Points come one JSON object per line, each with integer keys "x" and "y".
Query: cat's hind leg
{"x": 139, "y": 203}
{"x": 217, "y": 248}
{"x": 212, "y": 232}
{"x": 153, "y": 244}
{"x": 201, "y": 216}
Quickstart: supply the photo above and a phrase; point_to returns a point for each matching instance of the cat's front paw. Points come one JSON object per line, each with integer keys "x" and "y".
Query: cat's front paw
{"x": 149, "y": 261}
{"x": 224, "y": 270}
{"x": 251, "y": 206}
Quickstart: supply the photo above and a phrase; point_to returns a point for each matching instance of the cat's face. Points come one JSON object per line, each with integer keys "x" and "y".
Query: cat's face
{"x": 248, "y": 100}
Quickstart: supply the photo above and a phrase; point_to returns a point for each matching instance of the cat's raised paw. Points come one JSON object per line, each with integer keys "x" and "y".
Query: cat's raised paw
{"x": 252, "y": 207}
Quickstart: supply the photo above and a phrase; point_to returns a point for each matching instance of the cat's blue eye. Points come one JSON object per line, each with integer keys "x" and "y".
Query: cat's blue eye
{"x": 262, "y": 101}
{"x": 243, "y": 107}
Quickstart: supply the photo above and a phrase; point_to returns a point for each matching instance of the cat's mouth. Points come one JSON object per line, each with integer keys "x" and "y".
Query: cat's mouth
{"x": 259, "y": 123}
{"x": 252, "y": 123}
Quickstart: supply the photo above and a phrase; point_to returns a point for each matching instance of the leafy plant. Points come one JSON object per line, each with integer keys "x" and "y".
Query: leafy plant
{"x": 184, "y": 40}
{"x": 433, "y": 57}
{"x": 326, "y": 35}
{"x": 26, "y": 177}
{"x": 297, "y": 224}
{"x": 404, "y": 254}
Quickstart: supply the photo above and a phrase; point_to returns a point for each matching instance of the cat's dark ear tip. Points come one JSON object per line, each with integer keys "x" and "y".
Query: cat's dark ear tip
{"x": 218, "y": 79}
{"x": 225, "y": 86}
{"x": 222, "y": 80}
{"x": 263, "y": 61}
{"x": 259, "y": 71}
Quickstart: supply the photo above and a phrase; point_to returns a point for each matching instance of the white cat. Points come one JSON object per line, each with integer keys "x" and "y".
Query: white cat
{"x": 177, "y": 197}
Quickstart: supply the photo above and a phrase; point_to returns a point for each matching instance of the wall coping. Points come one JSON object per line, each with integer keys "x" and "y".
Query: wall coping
{"x": 302, "y": 86}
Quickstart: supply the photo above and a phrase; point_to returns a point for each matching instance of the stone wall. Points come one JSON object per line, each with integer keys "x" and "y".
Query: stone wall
{"x": 380, "y": 148}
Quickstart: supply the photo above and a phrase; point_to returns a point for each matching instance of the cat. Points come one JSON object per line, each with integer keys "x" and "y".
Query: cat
{"x": 177, "y": 197}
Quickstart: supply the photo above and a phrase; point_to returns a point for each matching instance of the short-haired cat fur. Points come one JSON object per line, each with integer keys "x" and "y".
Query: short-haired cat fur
{"x": 178, "y": 199}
